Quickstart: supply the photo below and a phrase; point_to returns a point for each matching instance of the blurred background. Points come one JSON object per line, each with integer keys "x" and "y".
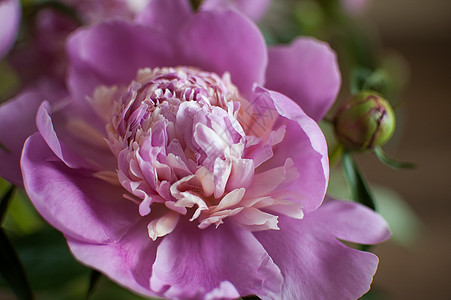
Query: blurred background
{"x": 420, "y": 31}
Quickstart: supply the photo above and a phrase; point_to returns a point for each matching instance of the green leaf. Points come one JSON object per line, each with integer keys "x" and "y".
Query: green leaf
{"x": 93, "y": 281}
{"x": 380, "y": 154}
{"x": 47, "y": 260}
{"x": 4, "y": 201}
{"x": 12, "y": 269}
{"x": 356, "y": 183}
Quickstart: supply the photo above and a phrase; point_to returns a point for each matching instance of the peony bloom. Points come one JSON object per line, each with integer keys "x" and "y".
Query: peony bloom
{"x": 10, "y": 13}
{"x": 174, "y": 170}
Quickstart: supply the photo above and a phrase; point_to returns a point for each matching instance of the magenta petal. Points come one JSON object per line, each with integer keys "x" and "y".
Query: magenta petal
{"x": 79, "y": 205}
{"x": 190, "y": 261}
{"x": 314, "y": 264}
{"x": 305, "y": 144}
{"x": 17, "y": 120}
{"x": 166, "y": 16}
{"x": 352, "y": 222}
{"x": 111, "y": 53}
{"x": 10, "y": 14}
{"x": 45, "y": 126}
{"x": 307, "y": 72}
{"x": 128, "y": 261}
{"x": 225, "y": 41}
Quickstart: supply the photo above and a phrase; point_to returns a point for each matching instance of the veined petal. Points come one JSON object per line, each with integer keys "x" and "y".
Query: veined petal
{"x": 190, "y": 260}
{"x": 309, "y": 249}
{"x": 59, "y": 193}
{"x": 305, "y": 144}
{"x": 93, "y": 63}
{"x": 128, "y": 261}
{"x": 235, "y": 46}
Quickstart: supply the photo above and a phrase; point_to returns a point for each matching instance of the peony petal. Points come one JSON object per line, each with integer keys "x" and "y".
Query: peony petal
{"x": 164, "y": 225}
{"x": 128, "y": 261}
{"x": 190, "y": 260}
{"x": 10, "y": 14}
{"x": 352, "y": 222}
{"x": 253, "y": 219}
{"x": 94, "y": 63}
{"x": 165, "y": 16}
{"x": 226, "y": 290}
{"x": 307, "y": 72}
{"x": 73, "y": 201}
{"x": 45, "y": 126}
{"x": 18, "y": 115}
{"x": 17, "y": 118}
{"x": 305, "y": 145}
{"x": 225, "y": 41}
{"x": 314, "y": 264}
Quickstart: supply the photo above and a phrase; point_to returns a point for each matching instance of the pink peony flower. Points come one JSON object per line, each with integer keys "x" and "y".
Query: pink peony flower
{"x": 174, "y": 170}
{"x": 10, "y": 14}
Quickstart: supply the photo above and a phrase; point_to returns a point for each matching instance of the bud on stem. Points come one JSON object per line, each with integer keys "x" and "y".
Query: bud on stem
{"x": 365, "y": 121}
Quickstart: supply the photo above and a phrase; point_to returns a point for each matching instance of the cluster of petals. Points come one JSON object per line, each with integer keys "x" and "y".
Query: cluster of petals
{"x": 185, "y": 161}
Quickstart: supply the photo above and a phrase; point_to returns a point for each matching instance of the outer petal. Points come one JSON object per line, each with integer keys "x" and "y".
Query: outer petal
{"x": 166, "y": 16}
{"x": 197, "y": 261}
{"x": 255, "y": 9}
{"x": 77, "y": 140}
{"x": 352, "y": 222}
{"x": 225, "y": 41}
{"x": 10, "y": 14}
{"x": 304, "y": 143}
{"x": 45, "y": 126}
{"x": 111, "y": 53}
{"x": 314, "y": 264}
{"x": 307, "y": 72}
{"x": 128, "y": 261}
{"x": 17, "y": 120}
{"x": 73, "y": 201}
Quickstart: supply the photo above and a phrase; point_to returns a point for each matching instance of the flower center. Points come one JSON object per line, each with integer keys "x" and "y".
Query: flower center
{"x": 181, "y": 151}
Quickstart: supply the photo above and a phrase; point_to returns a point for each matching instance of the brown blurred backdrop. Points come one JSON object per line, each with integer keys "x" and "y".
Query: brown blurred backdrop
{"x": 421, "y": 32}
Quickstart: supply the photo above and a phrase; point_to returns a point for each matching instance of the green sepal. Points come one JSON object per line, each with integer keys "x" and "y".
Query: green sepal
{"x": 382, "y": 156}
{"x": 12, "y": 270}
{"x": 356, "y": 183}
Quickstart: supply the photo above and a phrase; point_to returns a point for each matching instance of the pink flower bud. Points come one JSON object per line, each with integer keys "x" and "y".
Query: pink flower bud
{"x": 365, "y": 121}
